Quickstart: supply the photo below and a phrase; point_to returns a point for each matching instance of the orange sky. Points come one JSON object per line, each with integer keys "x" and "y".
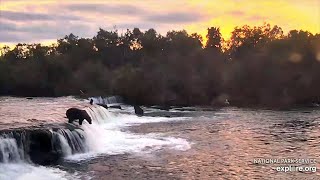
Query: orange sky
{"x": 47, "y": 20}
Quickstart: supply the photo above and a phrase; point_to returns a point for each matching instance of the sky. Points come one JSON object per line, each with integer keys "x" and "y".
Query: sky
{"x": 45, "y": 21}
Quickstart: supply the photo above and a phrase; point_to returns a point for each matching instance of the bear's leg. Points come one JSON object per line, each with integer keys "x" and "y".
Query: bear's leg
{"x": 89, "y": 121}
{"x": 70, "y": 120}
{"x": 80, "y": 121}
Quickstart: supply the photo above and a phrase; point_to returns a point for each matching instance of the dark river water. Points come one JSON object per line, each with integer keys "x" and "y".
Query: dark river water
{"x": 182, "y": 143}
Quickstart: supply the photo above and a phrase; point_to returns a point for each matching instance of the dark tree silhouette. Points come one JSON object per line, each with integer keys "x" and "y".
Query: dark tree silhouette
{"x": 214, "y": 38}
{"x": 257, "y": 66}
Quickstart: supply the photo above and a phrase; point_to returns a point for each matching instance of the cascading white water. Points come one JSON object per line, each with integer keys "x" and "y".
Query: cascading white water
{"x": 99, "y": 114}
{"x": 113, "y": 99}
{"x": 106, "y": 135}
{"x": 25, "y": 171}
{"x": 9, "y": 151}
{"x": 107, "y": 100}
{"x": 65, "y": 147}
{"x": 13, "y": 165}
{"x": 73, "y": 141}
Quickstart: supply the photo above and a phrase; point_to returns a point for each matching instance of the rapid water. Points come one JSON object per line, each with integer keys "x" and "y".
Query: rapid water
{"x": 106, "y": 136}
{"x": 13, "y": 165}
{"x": 107, "y": 100}
{"x": 9, "y": 151}
{"x": 199, "y": 144}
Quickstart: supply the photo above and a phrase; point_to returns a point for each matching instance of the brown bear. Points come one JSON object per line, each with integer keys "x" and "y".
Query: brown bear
{"x": 75, "y": 113}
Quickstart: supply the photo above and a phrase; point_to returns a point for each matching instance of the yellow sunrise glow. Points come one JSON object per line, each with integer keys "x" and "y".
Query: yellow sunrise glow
{"x": 226, "y": 14}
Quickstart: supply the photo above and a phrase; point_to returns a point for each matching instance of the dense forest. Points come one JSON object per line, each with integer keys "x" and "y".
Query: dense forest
{"x": 257, "y": 66}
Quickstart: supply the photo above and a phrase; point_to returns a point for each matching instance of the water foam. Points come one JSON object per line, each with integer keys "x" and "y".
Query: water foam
{"x": 9, "y": 151}
{"x": 23, "y": 171}
{"x": 106, "y": 135}
{"x": 13, "y": 166}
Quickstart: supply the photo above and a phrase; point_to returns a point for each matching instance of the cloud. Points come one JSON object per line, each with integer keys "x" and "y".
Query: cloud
{"x": 139, "y": 25}
{"x": 35, "y": 21}
{"x": 237, "y": 13}
{"x": 26, "y": 16}
{"x": 175, "y": 18}
{"x": 40, "y": 31}
{"x": 12, "y": 38}
{"x": 106, "y": 9}
{"x": 256, "y": 18}
{"x": 81, "y": 20}
{"x": 247, "y": 17}
{"x": 7, "y": 27}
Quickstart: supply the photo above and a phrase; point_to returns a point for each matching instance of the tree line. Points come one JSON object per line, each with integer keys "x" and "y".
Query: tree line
{"x": 257, "y": 66}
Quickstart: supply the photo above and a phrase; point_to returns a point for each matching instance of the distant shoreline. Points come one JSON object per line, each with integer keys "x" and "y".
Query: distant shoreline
{"x": 208, "y": 106}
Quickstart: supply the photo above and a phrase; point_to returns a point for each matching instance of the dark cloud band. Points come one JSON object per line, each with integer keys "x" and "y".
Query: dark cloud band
{"x": 106, "y": 9}
{"x": 182, "y": 17}
{"x": 68, "y": 18}
{"x": 27, "y": 16}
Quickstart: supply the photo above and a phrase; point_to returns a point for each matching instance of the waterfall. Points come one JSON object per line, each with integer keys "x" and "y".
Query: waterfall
{"x": 46, "y": 146}
{"x": 13, "y": 165}
{"x": 41, "y": 146}
{"x": 72, "y": 142}
{"x": 107, "y": 100}
{"x": 99, "y": 114}
{"x": 34, "y": 152}
{"x": 66, "y": 149}
{"x": 113, "y": 100}
{"x": 9, "y": 151}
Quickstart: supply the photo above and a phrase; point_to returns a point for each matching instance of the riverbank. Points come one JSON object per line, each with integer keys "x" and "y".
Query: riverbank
{"x": 194, "y": 107}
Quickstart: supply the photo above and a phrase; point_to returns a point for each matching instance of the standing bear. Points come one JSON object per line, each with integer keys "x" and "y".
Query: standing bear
{"x": 75, "y": 113}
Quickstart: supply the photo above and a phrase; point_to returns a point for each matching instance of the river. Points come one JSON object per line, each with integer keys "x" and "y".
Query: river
{"x": 182, "y": 143}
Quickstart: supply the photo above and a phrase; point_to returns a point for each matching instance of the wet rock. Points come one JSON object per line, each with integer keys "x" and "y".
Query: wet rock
{"x": 138, "y": 110}
{"x": 186, "y": 109}
{"x": 41, "y": 150}
{"x": 103, "y": 105}
{"x": 164, "y": 114}
{"x": 165, "y": 108}
{"x": 115, "y": 106}
{"x": 110, "y": 106}
{"x": 35, "y": 145}
{"x": 190, "y": 129}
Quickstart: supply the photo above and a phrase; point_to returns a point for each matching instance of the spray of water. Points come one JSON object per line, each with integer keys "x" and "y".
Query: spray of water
{"x": 9, "y": 151}
{"x": 107, "y": 135}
